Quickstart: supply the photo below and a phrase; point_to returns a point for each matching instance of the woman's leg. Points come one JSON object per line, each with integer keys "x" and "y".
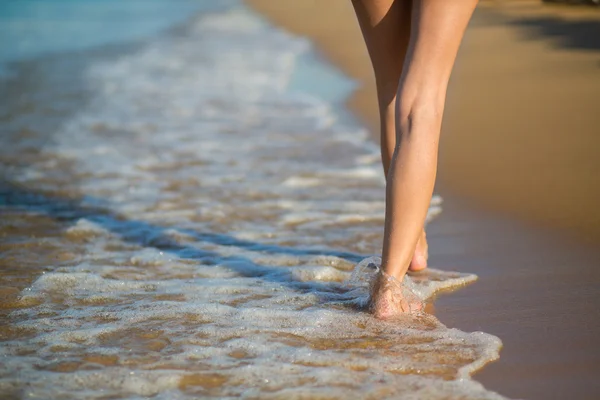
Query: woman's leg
{"x": 385, "y": 25}
{"x": 437, "y": 27}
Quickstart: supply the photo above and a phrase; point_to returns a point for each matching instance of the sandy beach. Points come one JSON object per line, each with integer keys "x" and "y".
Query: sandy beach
{"x": 519, "y": 175}
{"x": 188, "y": 210}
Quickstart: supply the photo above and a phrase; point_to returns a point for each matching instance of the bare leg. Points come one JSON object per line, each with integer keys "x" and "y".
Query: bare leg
{"x": 437, "y": 27}
{"x": 385, "y": 25}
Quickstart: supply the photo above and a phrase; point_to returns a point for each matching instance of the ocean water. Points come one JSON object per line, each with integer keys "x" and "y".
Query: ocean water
{"x": 180, "y": 217}
{"x": 31, "y": 28}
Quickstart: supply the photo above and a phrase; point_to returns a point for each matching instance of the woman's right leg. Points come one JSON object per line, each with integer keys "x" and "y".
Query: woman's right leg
{"x": 437, "y": 28}
{"x": 385, "y": 25}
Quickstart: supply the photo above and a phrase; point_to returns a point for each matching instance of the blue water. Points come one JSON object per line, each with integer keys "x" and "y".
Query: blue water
{"x": 33, "y": 28}
{"x": 30, "y": 28}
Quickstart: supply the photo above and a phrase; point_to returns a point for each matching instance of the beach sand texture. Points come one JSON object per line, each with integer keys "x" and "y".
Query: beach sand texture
{"x": 521, "y": 136}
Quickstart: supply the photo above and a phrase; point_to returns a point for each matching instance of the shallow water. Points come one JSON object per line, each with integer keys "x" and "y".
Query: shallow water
{"x": 180, "y": 219}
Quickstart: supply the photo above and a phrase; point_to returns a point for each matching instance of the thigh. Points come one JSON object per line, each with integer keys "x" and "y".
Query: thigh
{"x": 437, "y": 28}
{"x": 385, "y": 25}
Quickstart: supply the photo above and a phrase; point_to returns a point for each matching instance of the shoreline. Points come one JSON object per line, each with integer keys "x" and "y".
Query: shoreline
{"x": 485, "y": 229}
{"x": 166, "y": 245}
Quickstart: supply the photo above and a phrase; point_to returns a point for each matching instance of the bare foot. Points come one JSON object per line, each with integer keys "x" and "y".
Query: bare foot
{"x": 419, "y": 260}
{"x": 390, "y": 298}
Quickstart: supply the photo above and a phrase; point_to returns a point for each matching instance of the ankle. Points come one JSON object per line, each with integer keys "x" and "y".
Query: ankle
{"x": 395, "y": 270}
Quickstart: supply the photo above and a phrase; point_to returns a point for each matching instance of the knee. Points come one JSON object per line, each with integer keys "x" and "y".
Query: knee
{"x": 420, "y": 113}
{"x": 422, "y": 104}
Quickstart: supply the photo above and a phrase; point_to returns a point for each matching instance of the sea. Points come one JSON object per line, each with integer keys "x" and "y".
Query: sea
{"x": 184, "y": 201}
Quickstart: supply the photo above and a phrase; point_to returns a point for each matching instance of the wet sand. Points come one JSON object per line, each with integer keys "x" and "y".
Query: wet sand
{"x": 519, "y": 176}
